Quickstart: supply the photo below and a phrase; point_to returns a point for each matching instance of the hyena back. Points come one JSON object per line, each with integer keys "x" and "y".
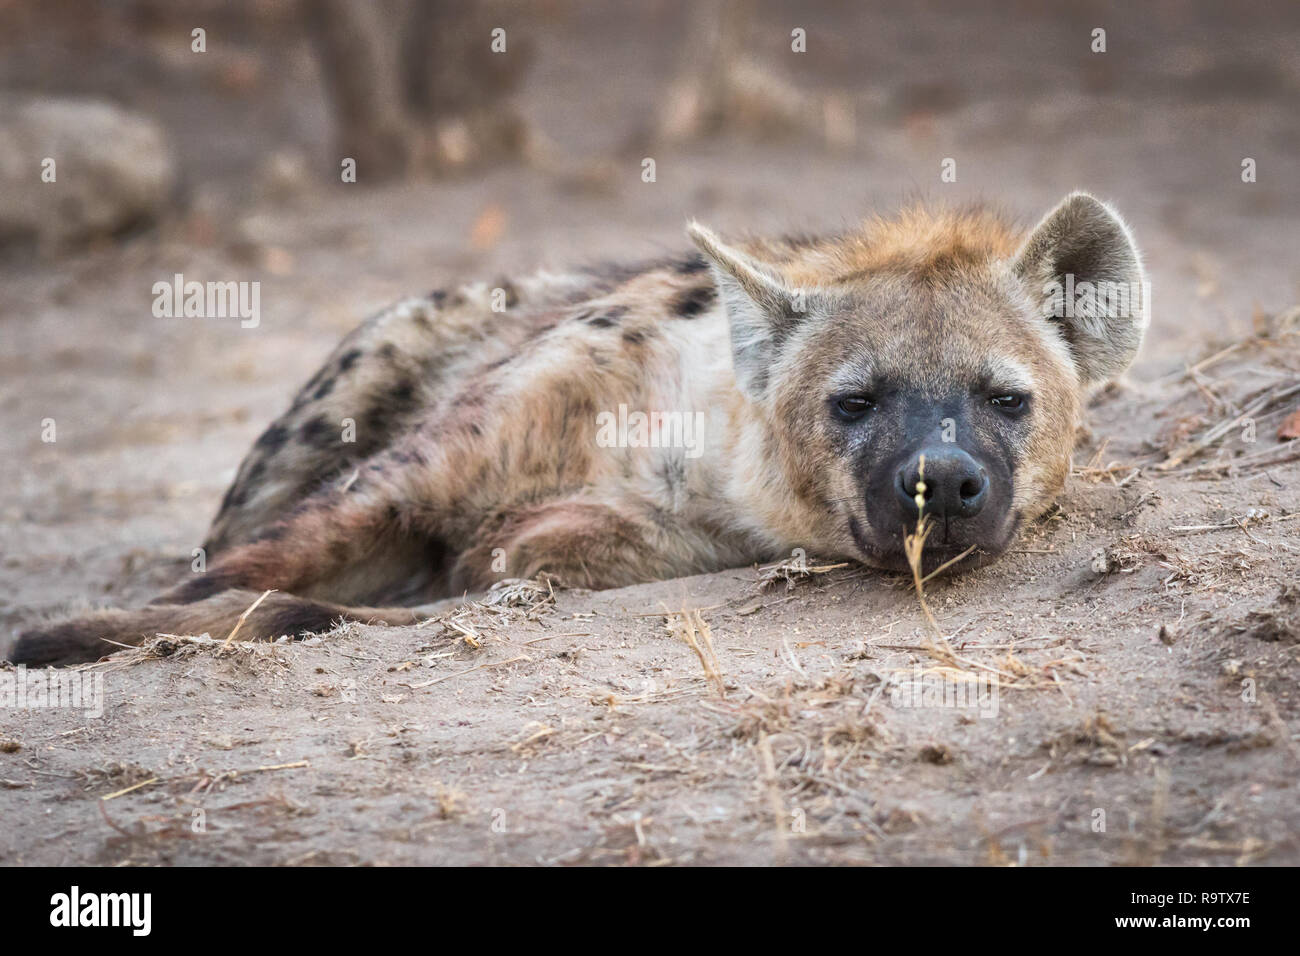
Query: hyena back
{"x": 456, "y": 440}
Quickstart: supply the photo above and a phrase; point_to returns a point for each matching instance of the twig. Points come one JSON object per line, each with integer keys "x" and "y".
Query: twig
{"x": 126, "y": 790}
{"x": 476, "y": 667}
{"x": 243, "y": 617}
{"x": 947, "y": 564}
{"x": 1212, "y": 435}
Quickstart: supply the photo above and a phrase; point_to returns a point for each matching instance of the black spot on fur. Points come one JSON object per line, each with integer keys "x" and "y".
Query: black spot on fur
{"x": 695, "y": 262}
{"x": 272, "y": 439}
{"x": 609, "y": 318}
{"x": 318, "y": 432}
{"x": 235, "y": 497}
{"x": 348, "y": 359}
{"x": 324, "y": 389}
{"x": 438, "y": 297}
{"x": 388, "y": 351}
{"x": 692, "y": 302}
{"x": 373, "y": 423}
{"x": 635, "y": 336}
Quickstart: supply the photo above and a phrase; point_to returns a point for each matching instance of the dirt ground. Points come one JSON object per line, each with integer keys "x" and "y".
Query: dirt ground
{"x": 1144, "y": 638}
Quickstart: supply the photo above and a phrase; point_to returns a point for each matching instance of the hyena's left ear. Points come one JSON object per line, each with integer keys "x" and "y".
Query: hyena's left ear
{"x": 762, "y": 309}
{"x": 1082, "y": 261}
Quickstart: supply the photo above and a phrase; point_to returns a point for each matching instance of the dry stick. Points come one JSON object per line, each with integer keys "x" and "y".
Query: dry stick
{"x": 1202, "y": 365}
{"x": 137, "y": 786}
{"x": 243, "y": 617}
{"x": 1180, "y": 455}
{"x": 296, "y": 765}
{"x": 1231, "y": 525}
{"x": 103, "y": 812}
{"x": 691, "y": 622}
{"x": 476, "y": 667}
{"x": 773, "y": 794}
{"x": 947, "y": 564}
{"x": 1251, "y": 458}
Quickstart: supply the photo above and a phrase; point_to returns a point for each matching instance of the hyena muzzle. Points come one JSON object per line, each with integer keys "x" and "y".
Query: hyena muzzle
{"x": 502, "y": 430}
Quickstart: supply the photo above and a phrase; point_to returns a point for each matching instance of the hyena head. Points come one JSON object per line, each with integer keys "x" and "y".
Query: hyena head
{"x": 939, "y": 355}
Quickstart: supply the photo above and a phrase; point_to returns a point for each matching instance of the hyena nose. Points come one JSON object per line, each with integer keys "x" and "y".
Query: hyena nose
{"x": 955, "y": 485}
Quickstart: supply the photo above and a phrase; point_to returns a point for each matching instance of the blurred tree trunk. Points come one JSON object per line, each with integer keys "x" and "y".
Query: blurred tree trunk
{"x": 415, "y": 84}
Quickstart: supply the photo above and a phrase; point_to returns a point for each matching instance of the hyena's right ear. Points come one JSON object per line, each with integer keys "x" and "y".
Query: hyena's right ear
{"x": 1082, "y": 261}
{"x": 762, "y": 310}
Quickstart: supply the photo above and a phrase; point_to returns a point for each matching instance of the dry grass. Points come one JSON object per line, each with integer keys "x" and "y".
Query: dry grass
{"x": 914, "y": 547}
{"x": 690, "y": 627}
{"x": 1257, "y": 388}
{"x": 792, "y": 571}
{"x": 256, "y": 657}
{"x": 506, "y": 604}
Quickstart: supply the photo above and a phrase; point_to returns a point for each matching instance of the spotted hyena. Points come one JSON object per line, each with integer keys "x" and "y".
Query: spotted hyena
{"x": 685, "y": 415}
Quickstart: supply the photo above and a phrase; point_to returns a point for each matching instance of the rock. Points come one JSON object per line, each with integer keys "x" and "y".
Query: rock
{"x": 1290, "y": 427}
{"x": 112, "y": 169}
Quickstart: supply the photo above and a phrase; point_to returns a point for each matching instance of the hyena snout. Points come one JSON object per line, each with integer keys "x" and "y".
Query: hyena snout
{"x": 949, "y": 482}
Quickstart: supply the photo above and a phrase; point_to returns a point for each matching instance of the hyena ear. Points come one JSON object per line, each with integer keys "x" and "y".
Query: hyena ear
{"x": 762, "y": 309}
{"x": 1082, "y": 261}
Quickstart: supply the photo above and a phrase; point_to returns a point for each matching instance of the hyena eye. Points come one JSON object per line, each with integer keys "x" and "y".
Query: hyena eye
{"x": 1009, "y": 402}
{"x": 851, "y": 407}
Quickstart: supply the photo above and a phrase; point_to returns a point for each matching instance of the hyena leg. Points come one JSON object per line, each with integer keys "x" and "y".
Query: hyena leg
{"x": 93, "y": 636}
{"x": 355, "y": 542}
{"x": 586, "y": 543}
{"x": 351, "y": 543}
{"x": 342, "y": 547}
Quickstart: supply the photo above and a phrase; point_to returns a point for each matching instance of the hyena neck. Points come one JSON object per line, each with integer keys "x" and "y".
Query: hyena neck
{"x": 762, "y": 504}
{"x": 723, "y": 485}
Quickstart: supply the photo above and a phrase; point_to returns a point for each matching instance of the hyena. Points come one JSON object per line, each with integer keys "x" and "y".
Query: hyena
{"x": 838, "y": 381}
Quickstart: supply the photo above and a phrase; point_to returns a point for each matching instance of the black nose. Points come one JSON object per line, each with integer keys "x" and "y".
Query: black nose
{"x": 955, "y": 486}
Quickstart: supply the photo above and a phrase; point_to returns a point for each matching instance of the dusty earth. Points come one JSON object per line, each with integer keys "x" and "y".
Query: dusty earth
{"x": 1143, "y": 639}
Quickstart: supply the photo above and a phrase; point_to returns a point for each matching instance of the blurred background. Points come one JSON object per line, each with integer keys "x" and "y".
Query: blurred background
{"x": 220, "y": 154}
